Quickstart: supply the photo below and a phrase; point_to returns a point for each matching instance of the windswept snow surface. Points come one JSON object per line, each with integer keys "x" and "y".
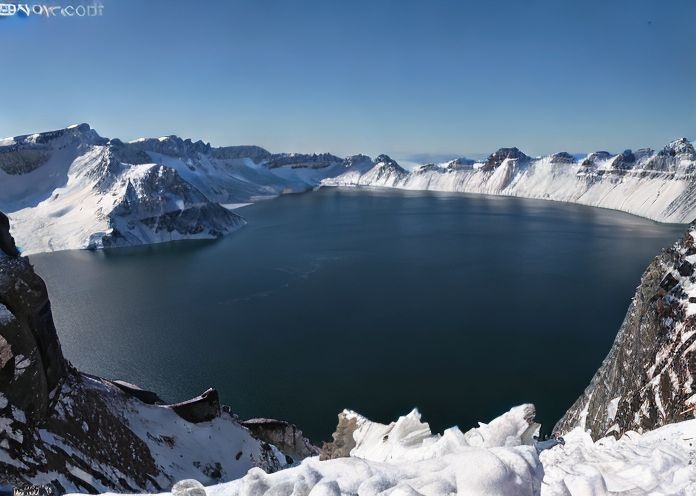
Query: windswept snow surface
{"x": 496, "y": 459}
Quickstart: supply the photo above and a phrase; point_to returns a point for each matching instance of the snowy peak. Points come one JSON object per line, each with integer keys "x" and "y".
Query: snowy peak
{"x": 680, "y": 148}
{"x": 355, "y": 160}
{"x": 386, "y": 162}
{"x": 498, "y": 157}
{"x": 562, "y": 158}
{"x": 23, "y": 154}
{"x": 624, "y": 160}
{"x": 595, "y": 158}
{"x": 77, "y": 133}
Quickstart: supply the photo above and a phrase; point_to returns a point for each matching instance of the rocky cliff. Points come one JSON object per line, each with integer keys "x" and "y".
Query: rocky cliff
{"x": 647, "y": 379}
{"x": 82, "y": 433}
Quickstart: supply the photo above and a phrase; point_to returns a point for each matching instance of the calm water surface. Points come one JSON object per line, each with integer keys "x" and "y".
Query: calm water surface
{"x": 379, "y": 301}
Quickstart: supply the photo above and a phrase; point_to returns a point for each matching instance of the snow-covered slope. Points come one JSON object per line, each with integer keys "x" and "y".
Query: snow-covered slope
{"x": 495, "y": 459}
{"x": 658, "y": 185}
{"x": 72, "y": 189}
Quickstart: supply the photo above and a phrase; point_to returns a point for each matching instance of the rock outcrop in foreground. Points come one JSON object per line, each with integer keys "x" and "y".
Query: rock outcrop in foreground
{"x": 647, "y": 379}
{"x": 78, "y": 432}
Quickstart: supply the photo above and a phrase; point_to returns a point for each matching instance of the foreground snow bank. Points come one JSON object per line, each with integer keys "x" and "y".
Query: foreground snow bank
{"x": 499, "y": 458}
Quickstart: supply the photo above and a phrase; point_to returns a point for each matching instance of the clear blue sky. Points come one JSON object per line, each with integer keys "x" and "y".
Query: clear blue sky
{"x": 393, "y": 76}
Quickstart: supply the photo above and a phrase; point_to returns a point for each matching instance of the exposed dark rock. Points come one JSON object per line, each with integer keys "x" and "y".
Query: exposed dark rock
{"x": 284, "y": 435}
{"x": 671, "y": 155}
{"x": 172, "y": 146}
{"x": 7, "y": 242}
{"x": 149, "y": 397}
{"x": 562, "y": 158}
{"x": 302, "y": 160}
{"x": 343, "y": 441}
{"x": 686, "y": 269}
{"x": 353, "y": 160}
{"x": 625, "y": 160}
{"x": 595, "y": 157}
{"x": 256, "y": 153}
{"x": 496, "y": 158}
{"x": 21, "y": 161}
{"x": 388, "y": 163}
{"x": 199, "y": 409}
{"x": 647, "y": 378}
{"x": 156, "y": 203}
{"x": 34, "y": 365}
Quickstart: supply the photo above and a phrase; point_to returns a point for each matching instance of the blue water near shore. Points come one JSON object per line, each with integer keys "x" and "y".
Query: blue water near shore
{"x": 374, "y": 300}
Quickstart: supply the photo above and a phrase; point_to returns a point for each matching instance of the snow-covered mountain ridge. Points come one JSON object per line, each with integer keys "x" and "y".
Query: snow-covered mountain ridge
{"x": 660, "y": 185}
{"x": 73, "y": 189}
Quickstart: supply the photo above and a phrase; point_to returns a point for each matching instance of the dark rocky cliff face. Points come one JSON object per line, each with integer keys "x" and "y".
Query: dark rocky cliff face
{"x": 647, "y": 379}
{"x": 31, "y": 361}
{"x": 82, "y": 433}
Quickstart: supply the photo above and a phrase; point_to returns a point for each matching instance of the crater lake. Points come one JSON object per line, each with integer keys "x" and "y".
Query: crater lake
{"x": 375, "y": 300}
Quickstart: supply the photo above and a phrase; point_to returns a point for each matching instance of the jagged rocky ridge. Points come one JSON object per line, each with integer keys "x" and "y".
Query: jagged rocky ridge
{"x": 72, "y": 189}
{"x": 79, "y": 432}
{"x": 647, "y": 379}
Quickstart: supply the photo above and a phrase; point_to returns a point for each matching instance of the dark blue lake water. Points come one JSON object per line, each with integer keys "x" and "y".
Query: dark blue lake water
{"x": 379, "y": 301}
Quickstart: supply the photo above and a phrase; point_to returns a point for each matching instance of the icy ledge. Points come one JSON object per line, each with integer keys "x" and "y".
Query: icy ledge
{"x": 405, "y": 458}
